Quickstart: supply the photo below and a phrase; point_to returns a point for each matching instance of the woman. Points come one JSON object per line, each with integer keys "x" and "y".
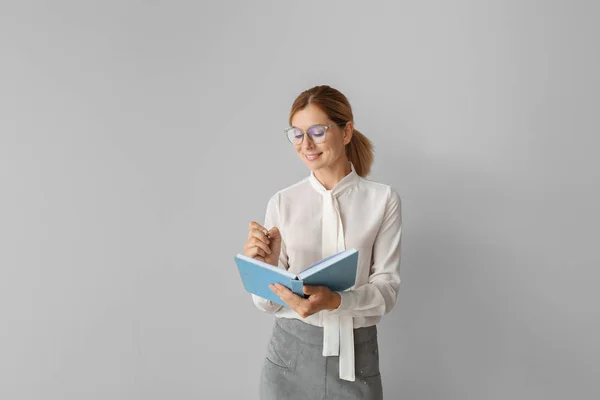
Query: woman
{"x": 325, "y": 346}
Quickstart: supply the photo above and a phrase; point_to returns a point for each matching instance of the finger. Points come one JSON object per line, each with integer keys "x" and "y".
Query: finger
{"x": 259, "y": 235}
{"x": 255, "y": 225}
{"x": 274, "y": 233}
{"x": 312, "y": 289}
{"x": 283, "y": 292}
{"x": 291, "y": 298}
{"x": 308, "y": 289}
{"x": 259, "y": 232}
{"x": 252, "y": 244}
{"x": 259, "y": 258}
{"x": 279, "y": 289}
{"x": 289, "y": 304}
{"x": 260, "y": 252}
{"x": 249, "y": 250}
{"x": 253, "y": 252}
{"x": 257, "y": 243}
{"x": 251, "y": 230}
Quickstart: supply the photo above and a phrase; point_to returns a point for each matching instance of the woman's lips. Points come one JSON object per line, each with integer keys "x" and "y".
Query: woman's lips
{"x": 312, "y": 157}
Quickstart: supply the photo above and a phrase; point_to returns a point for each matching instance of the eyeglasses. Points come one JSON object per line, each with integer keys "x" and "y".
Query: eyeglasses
{"x": 316, "y": 132}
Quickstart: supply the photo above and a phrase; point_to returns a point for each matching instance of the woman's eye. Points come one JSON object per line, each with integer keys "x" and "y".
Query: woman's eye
{"x": 317, "y": 132}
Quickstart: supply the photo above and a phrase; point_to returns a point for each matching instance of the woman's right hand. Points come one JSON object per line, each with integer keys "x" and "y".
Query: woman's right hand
{"x": 260, "y": 247}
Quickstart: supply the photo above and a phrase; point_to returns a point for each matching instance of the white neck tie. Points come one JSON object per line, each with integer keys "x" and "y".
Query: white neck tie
{"x": 338, "y": 330}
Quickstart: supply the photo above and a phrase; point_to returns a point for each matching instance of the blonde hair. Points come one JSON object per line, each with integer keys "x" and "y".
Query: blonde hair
{"x": 337, "y": 107}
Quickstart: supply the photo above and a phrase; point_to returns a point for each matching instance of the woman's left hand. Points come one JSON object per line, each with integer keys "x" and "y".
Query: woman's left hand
{"x": 321, "y": 298}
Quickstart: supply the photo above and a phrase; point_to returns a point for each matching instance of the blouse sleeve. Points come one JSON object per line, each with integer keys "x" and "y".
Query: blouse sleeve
{"x": 379, "y": 295}
{"x": 272, "y": 219}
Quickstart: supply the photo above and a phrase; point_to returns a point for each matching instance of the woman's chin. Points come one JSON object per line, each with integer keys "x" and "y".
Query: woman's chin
{"x": 313, "y": 166}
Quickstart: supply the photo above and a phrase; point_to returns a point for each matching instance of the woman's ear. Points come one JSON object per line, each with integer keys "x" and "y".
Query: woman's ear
{"x": 348, "y": 129}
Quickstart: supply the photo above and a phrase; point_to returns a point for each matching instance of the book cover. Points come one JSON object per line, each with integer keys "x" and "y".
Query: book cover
{"x": 337, "y": 272}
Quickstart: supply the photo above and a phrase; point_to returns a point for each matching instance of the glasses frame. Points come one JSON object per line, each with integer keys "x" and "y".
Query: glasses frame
{"x": 305, "y": 133}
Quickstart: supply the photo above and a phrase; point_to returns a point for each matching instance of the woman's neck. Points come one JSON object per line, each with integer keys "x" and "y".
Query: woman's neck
{"x": 331, "y": 175}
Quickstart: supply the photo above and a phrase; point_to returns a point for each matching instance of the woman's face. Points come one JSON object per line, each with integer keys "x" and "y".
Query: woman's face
{"x": 327, "y": 153}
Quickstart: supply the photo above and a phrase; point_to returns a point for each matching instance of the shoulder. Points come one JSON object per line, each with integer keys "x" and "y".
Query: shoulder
{"x": 380, "y": 190}
{"x": 292, "y": 192}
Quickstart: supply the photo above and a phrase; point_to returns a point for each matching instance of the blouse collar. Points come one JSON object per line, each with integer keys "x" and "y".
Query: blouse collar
{"x": 344, "y": 185}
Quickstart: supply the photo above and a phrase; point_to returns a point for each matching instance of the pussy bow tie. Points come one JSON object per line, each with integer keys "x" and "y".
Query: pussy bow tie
{"x": 338, "y": 330}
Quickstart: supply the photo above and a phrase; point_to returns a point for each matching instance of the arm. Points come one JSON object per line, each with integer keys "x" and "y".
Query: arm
{"x": 271, "y": 220}
{"x": 378, "y": 296}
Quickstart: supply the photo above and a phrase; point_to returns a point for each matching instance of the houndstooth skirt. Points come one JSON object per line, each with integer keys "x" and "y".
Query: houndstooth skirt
{"x": 294, "y": 367}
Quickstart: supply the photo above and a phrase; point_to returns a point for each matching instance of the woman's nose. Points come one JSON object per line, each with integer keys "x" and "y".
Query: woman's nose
{"x": 307, "y": 142}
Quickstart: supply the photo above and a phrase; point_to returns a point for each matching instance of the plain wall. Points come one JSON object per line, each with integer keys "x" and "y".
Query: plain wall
{"x": 138, "y": 139}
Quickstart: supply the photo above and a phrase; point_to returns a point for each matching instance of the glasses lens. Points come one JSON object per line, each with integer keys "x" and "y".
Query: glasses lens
{"x": 317, "y": 133}
{"x": 294, "y": 135}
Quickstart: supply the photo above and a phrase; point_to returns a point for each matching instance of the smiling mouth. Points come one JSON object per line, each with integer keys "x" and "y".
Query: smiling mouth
{"x": 312, "y": 157}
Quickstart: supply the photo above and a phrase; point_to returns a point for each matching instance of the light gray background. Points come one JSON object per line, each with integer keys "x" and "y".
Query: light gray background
{"x": 139, "y": 138}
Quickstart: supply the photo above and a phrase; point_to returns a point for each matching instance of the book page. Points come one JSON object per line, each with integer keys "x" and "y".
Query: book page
{"x": 318, "y": 262}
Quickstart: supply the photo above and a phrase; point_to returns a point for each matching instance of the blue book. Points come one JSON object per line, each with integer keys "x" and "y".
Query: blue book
{"x": 337, "y": 272}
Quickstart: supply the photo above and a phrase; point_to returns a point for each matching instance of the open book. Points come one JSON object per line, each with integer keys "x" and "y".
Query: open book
{"x": 337, "y": 272}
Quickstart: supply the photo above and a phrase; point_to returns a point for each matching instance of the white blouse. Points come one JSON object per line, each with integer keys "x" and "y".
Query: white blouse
{"x": 370, "y": 218}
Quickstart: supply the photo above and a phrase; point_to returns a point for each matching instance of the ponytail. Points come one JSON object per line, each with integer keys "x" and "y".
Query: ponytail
{"x": 360, "y": 153}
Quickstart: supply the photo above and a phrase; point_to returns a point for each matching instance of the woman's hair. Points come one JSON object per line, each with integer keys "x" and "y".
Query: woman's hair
{"x": 337, "y": 107}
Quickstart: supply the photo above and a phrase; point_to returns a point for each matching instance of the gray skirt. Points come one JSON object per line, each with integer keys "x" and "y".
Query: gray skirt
{"x": 295, "y": 369}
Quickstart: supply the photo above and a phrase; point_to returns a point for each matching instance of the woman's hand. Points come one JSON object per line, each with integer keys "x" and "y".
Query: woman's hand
{"x": 260, "y": 247}
{"x": 321, "y": 298}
